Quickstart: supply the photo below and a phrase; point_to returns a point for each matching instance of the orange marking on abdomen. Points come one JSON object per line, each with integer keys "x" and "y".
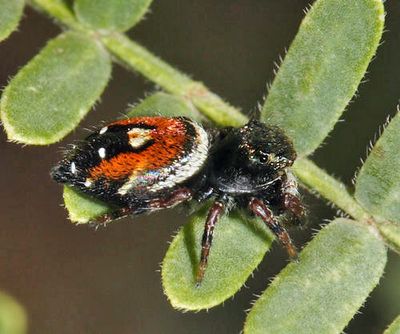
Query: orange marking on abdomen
{"x": 169, "y": 139}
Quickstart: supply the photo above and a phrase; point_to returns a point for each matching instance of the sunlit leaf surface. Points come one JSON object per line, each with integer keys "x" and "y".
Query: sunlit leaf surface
{"x": 323, "y": 68}
{"x": 111, "y": 15}
{"x": 321, "y": 293}
{"x": 52, "y": 93}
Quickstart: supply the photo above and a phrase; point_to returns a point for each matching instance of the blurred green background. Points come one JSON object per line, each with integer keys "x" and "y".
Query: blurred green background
{"x": 72, "y": 279}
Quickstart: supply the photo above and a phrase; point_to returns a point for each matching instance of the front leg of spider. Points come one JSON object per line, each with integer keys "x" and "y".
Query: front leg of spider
{"x": 290, "y": 199}
{"x": 259, "y": 208}
{"x": 213, "y": 216}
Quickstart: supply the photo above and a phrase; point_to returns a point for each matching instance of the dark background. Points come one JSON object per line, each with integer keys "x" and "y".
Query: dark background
{"x": 72, "y": 279}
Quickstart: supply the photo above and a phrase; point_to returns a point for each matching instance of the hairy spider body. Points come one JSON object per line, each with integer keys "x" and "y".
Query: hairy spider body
{"x": 144, "y": 164}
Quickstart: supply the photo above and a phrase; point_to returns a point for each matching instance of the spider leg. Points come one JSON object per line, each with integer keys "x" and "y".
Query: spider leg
{"x": 178, "y": 196}
{"x": 212, "y": 218}
{"x": 111, "y": 216}
{"x": 290, "y": 197}
{"x": 259, "y": 208}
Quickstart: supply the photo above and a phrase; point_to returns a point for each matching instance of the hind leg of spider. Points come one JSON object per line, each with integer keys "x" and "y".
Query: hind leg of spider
{"x": 212, "y": 218}
{"x": 103, "y": 220}
{"x": 178, "y": 196}
{"x": 259, "y": 208}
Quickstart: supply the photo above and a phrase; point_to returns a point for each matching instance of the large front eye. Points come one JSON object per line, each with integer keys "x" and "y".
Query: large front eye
{"x": 263, "y": 157}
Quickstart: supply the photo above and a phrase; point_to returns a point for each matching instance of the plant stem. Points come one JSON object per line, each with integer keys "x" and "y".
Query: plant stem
{"x": 137, "y": 58}
{"x": 57, "y": 10}
{"x": 328, "y": 187}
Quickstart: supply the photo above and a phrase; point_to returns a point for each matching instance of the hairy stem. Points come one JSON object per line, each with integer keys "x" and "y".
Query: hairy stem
{"x": 57, "y": 10}
{"x": 139, "y": 59}
{"x": 328, "y": 187}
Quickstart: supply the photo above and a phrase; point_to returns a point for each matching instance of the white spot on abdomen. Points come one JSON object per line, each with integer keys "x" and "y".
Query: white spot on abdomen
{"x": 102, "y": 152}
{"x": 103, "y": 130}
{"x": 73, "y": 168}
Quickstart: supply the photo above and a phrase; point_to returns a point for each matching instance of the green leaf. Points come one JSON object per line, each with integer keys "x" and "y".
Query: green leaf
{"x": 10, "y": 14}
{"x": 54, "y": 91}
{"x": 394, "y": 327}
{"x": 81, "y": 208}
{"x": 323, "y": 68}
{"x": 321, "y": 293}
{"x": 238, "y": 248}
{"x": 12, "y": 316}
{"x": 378, "y": 182}
{"x": 117, "y": 15}
{"x": 166, "y": 105}
{"x": 391, "y": 233}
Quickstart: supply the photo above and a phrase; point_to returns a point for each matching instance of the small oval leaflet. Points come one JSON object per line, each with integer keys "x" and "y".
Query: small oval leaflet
{"x": 118, "y": 15}
{"x": 321, "y": 293}
{"x": 323, "y": 68}
{"x": 10, "y": 15}
{"x": 52, "y": 93}
{"x": 394, "y": 327}
{"x": 378, "y": 182}
{"x": 13, "y": 318}
{"x": 238, "y": 249}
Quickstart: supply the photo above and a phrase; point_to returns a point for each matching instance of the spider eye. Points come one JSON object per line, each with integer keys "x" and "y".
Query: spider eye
{"x": 263, "y": 158}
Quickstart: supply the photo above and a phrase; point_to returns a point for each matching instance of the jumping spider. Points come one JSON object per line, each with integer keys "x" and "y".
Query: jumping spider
{"x": 143, "y": 164}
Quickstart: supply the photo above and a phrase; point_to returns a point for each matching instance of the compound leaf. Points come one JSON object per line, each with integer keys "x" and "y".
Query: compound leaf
{"x": 111, "y": 15}
{"x": 394, "y": 327}
{"x": 324, "y": 66}
{"x": 52, "y": 93}
{"x": 81, "y": 208}
{"x": 378, "y": 182}
{"x": 12, "y": 316}
{"x": 321, "y": 293}
{"x": 10, "y": 14}
{"x": 238, "y": 248}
